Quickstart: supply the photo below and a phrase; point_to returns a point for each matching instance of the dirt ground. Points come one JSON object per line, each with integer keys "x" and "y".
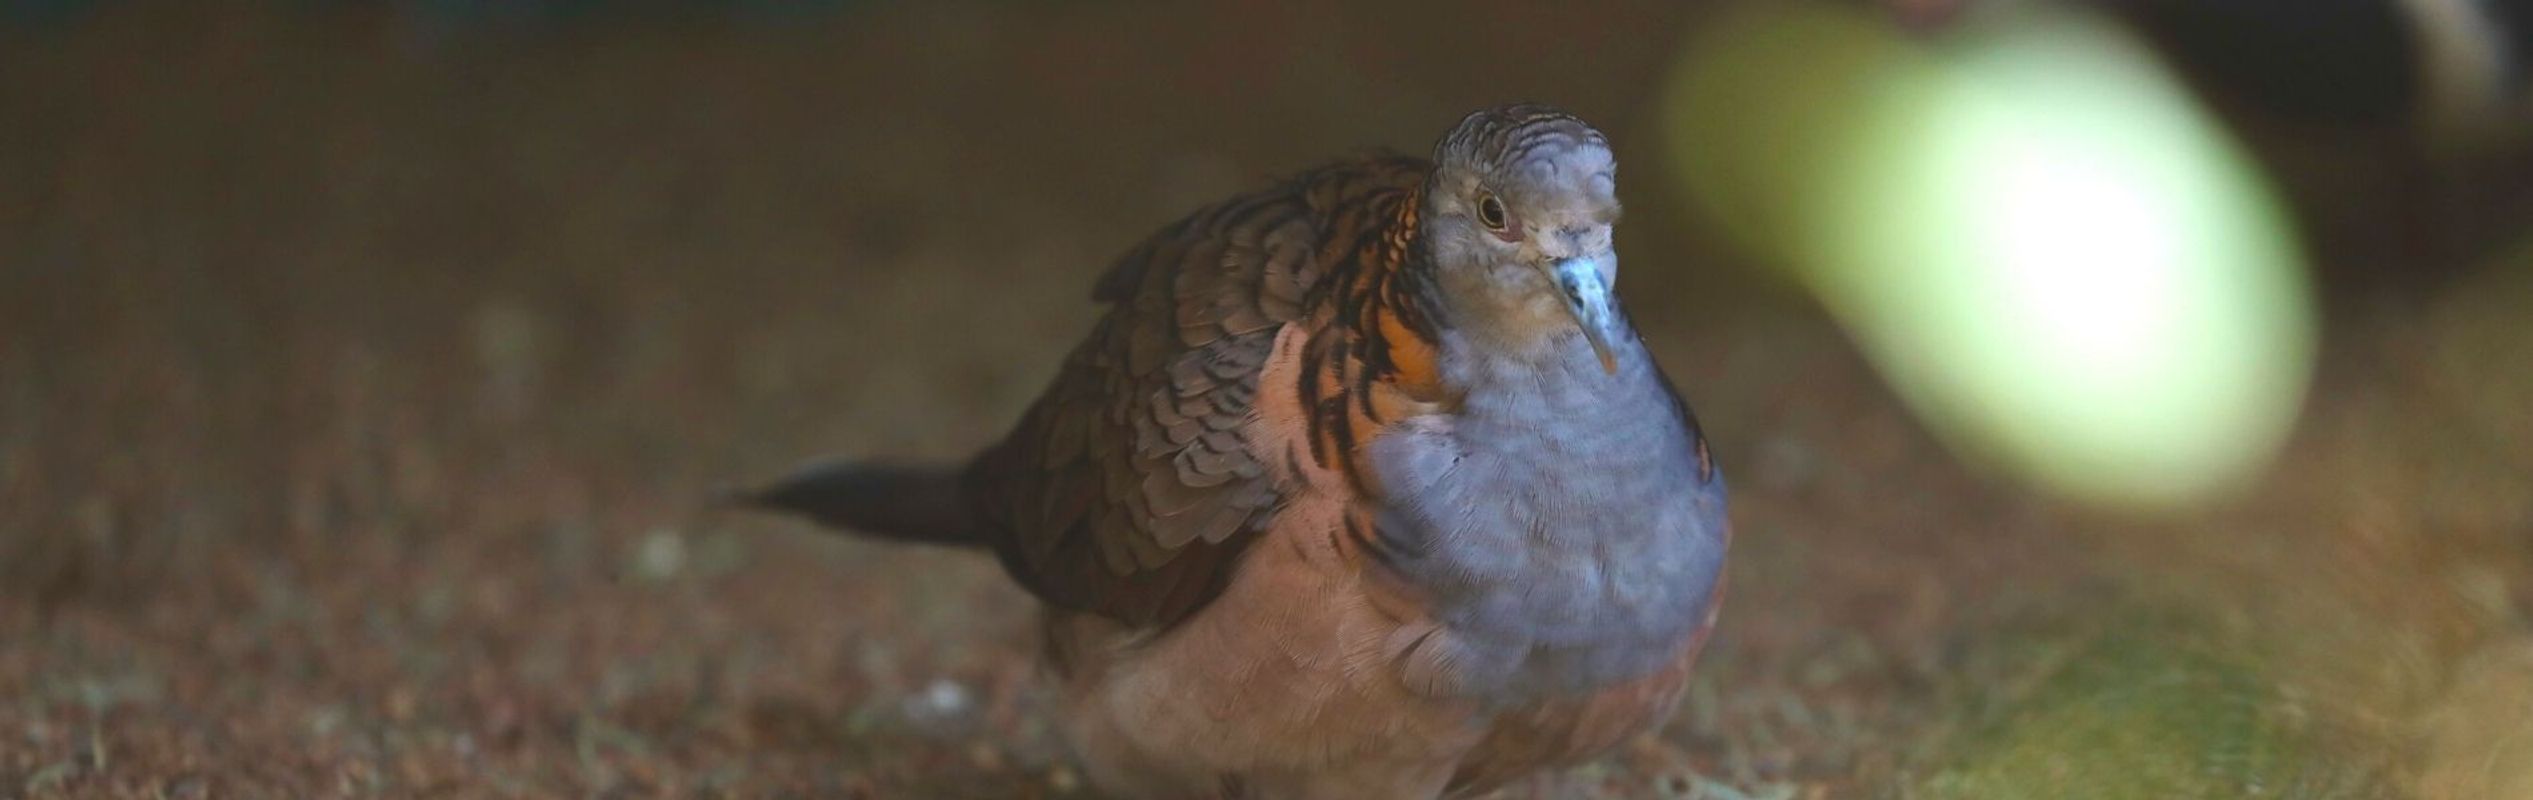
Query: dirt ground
{"x": 360, "y": 388}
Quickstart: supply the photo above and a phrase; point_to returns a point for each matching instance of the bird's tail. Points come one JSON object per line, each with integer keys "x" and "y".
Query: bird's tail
{"x": 896, "y": 502}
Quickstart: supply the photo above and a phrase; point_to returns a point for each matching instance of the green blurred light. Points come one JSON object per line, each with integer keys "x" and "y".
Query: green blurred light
{"x": 2053, "y": 256}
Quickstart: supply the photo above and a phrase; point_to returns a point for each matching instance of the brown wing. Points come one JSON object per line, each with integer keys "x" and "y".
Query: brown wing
{"x": 1130, "y": 488}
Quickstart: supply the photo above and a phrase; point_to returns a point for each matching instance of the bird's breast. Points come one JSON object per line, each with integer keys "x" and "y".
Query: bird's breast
{"x": 1558, "y": 526}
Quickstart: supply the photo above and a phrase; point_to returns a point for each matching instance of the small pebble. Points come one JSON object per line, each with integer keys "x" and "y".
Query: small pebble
{"x": 661, "y": 556}
{"x": 944, "y": 708}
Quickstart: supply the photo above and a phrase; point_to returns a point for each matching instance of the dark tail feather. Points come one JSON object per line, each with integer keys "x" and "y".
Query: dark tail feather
{"x": 887, "y": 501}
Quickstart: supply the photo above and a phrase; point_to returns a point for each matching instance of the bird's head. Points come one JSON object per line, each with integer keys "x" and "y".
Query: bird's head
{"x": 1516, "y": 226}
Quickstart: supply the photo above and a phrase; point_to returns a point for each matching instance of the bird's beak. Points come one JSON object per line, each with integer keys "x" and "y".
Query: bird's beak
{"x": 1587, "y": 295}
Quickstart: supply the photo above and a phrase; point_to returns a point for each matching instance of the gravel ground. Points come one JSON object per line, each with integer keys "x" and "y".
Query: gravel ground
{"x": 359, "y": 390}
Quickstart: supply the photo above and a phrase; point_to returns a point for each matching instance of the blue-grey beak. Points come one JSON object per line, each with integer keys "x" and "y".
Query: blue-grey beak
{"x": 1587, "y": 295}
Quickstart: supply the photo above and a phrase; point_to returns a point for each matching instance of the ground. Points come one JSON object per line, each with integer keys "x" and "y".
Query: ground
{"x": 361, "y": 392}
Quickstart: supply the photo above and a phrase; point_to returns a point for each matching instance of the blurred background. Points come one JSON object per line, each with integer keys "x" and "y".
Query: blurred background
{"x": 2122, "y": 399}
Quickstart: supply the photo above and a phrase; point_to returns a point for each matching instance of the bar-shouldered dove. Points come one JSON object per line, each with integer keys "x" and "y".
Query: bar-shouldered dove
{"x": 1364, "y": 487}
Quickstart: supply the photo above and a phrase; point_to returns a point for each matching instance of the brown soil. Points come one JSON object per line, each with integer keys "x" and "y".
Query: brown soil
{"x": 359, "y": 393}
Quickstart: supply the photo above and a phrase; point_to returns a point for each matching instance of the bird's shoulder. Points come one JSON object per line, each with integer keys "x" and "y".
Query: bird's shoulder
{"x": 1131, "y": 486}
{"x": 1298, "y": 218}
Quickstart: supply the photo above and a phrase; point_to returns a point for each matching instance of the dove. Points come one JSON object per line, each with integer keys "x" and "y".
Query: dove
{"x": 1363, "y": 486}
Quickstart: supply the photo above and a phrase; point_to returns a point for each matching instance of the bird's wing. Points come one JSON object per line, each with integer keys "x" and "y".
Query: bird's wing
{"x": 1130, "y": 488}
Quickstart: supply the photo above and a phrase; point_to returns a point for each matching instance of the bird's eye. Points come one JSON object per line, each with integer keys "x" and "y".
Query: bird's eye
{"x": 1491, "y": 212}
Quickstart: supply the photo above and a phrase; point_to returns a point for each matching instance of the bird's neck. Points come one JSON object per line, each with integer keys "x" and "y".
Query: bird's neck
{"x": 1386, "y": 302}
{"x": 1552, "y": 364}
